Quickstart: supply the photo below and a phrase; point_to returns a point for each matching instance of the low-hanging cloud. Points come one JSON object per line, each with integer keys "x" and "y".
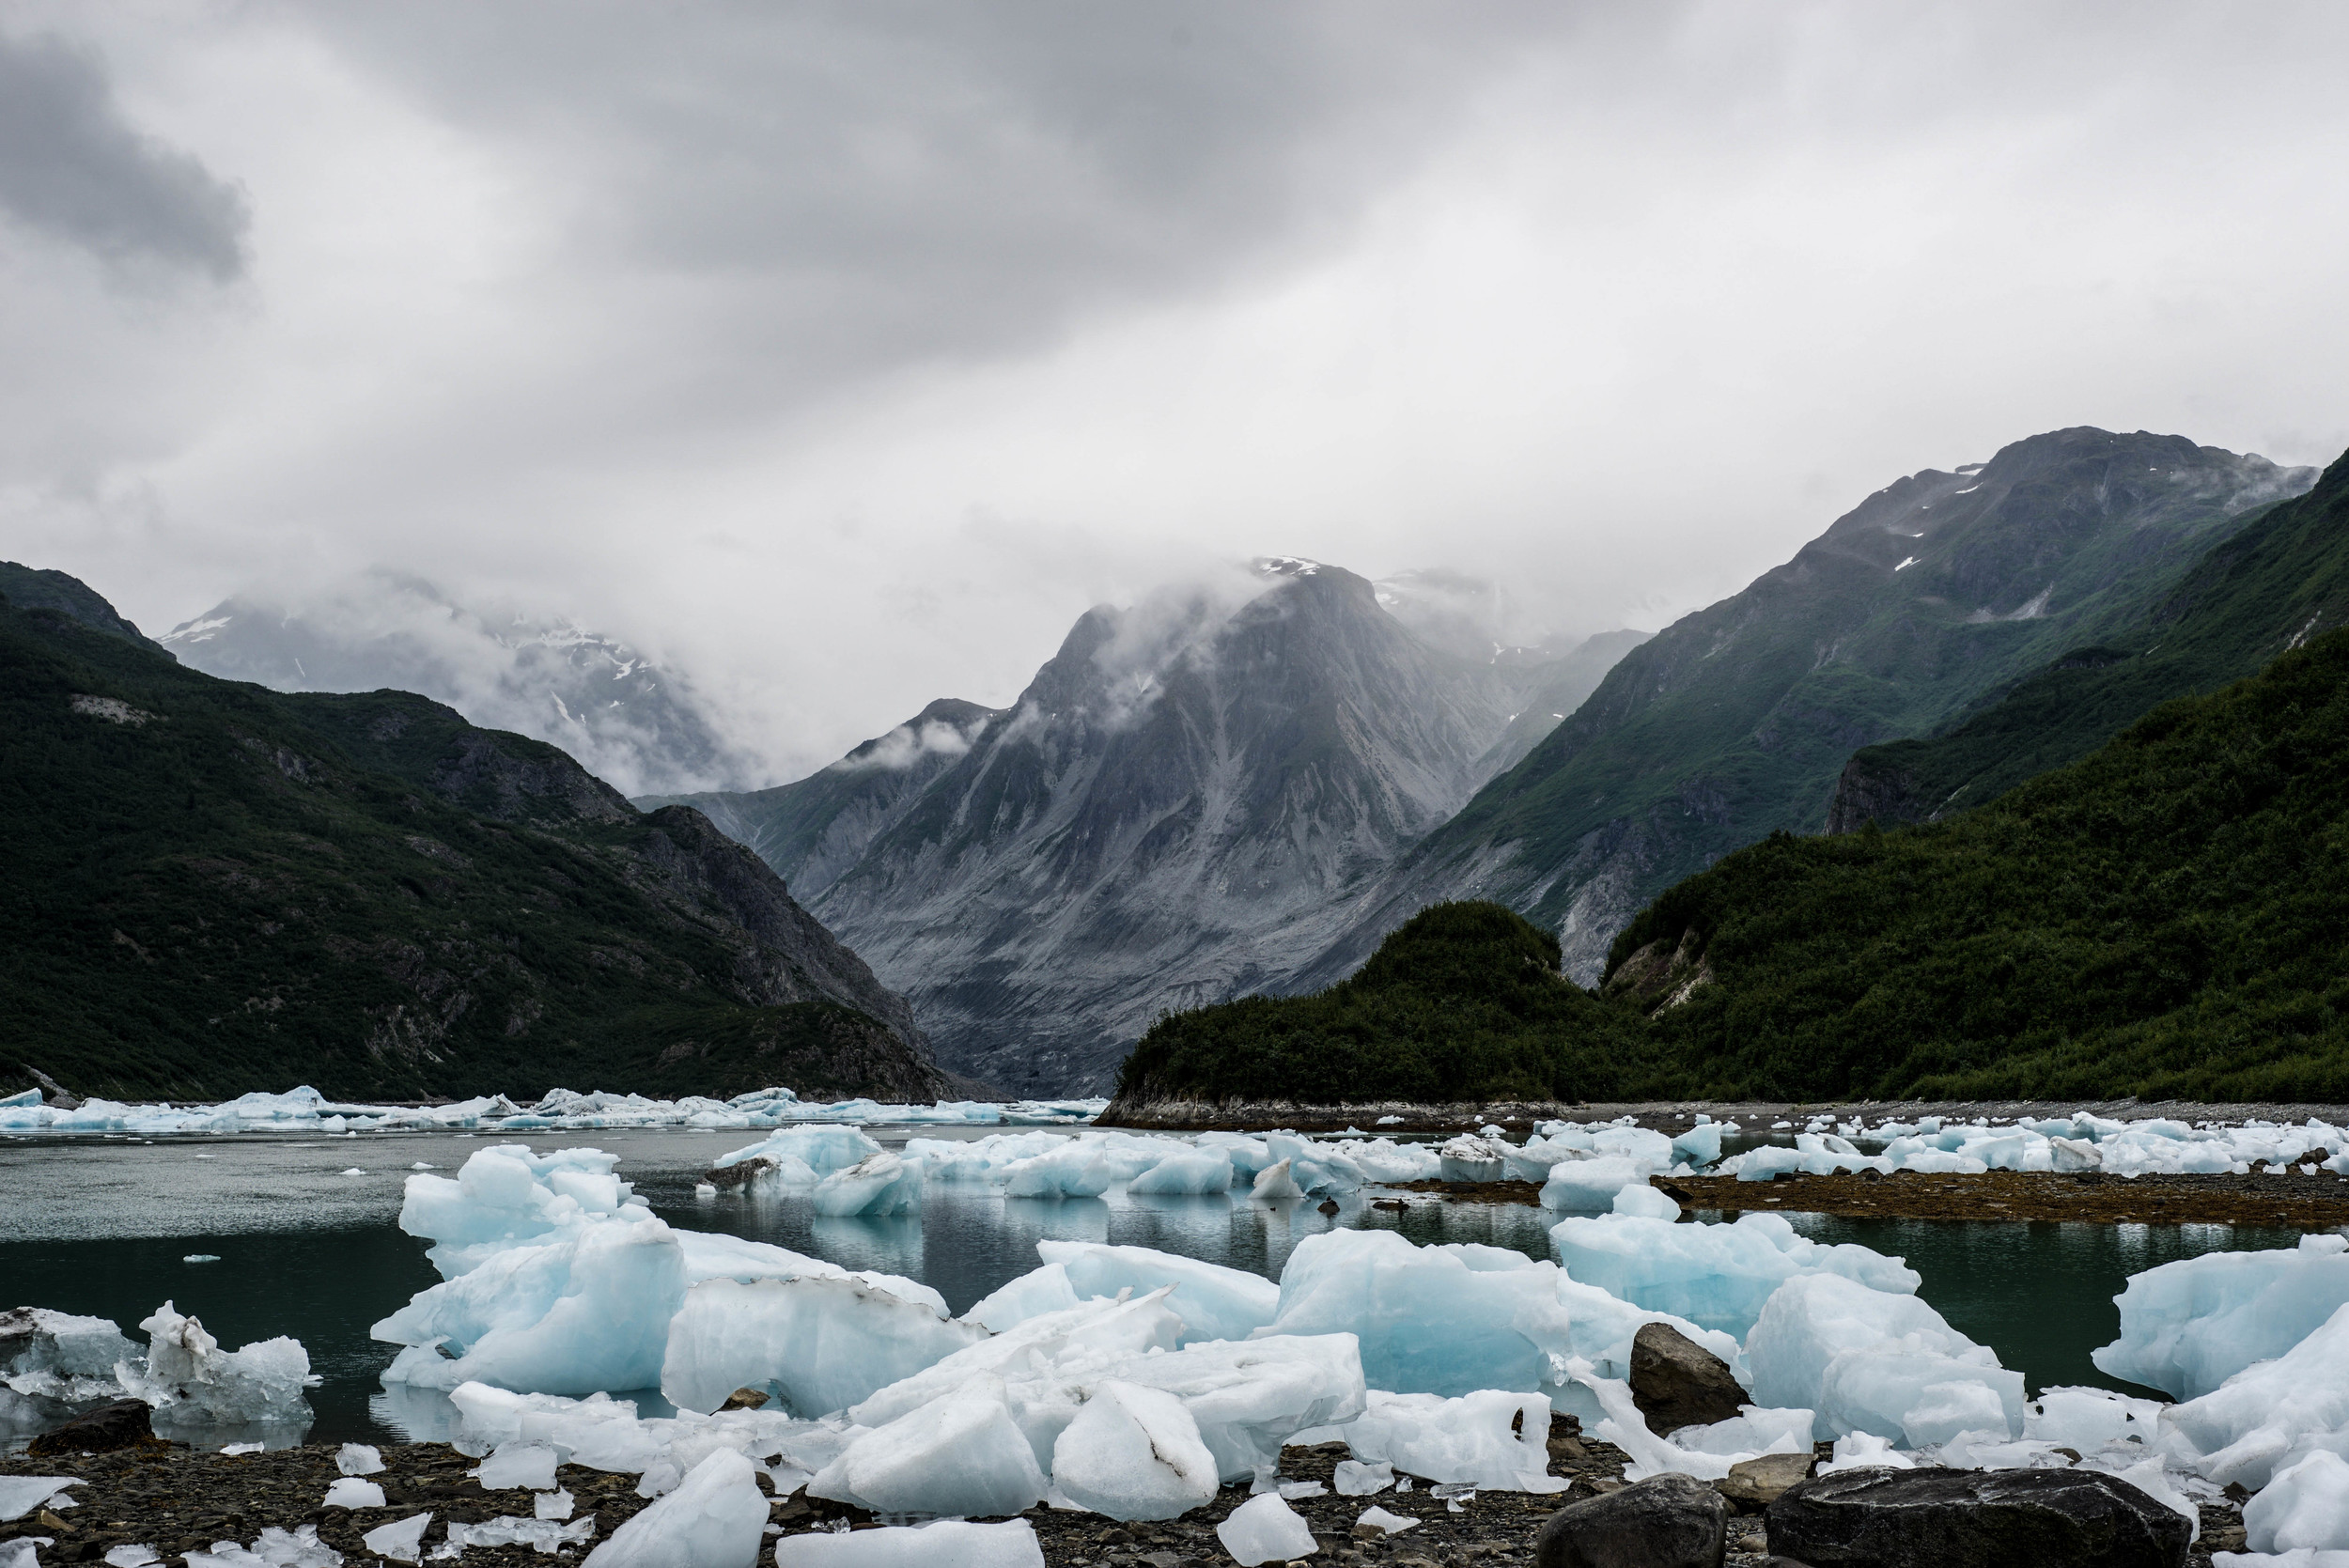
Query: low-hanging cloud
{"x": 72, "y": 167}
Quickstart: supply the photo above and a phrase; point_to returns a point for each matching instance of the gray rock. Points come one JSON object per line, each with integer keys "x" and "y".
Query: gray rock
{"x": 1757, "y": 1483}
{"x": 1944, "y": 1518}
{"x": 1668, "y": 1521}
{"x": 1676, "y": 1382}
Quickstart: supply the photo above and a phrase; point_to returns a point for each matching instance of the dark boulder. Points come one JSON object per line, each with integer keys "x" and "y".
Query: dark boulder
{"x": 120, "y": 1425}
{"x": 1944, "y": 1518}
{"x": 1668, "y": 1521}
{"x": 1676, "y": 1382}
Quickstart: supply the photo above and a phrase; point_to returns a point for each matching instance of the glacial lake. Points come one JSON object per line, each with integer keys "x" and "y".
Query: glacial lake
{"x": 103, "y": 1225}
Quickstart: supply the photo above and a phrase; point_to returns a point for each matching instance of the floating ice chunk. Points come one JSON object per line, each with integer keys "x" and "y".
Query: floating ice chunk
{"x": 714, "y": 1519}
{"x": 2264, "y": 1418}
{"x": 1590, "y": 1185}
{"x": 2086, "y": 1418}
{"x": 2187, "y": 1326}
{"x": 2306, "y": 1506}
{"x": 1075, "y": 1169}
{"x": 351, "y": 1492}
{"x": 822, "y": 1342}
{"x": 1214, "y": 1302}
{"x": 1316, "y": 1167}
{"x": 820, "y": 1148}
{"x": 506, "y": 1196}
{"x": 1196, "y": 1172}
{"x": 1357, "y": 1478}
{"x": 187, "y": 1375}
{"x": 1382, "y": 1159}
{"x": 1133, "y": 1453}
{"x": 585, "y": 1311}
{"x": 1715, "y": 1275}
{"x": 1387, "y": 1524}
{"x": 22, "y": 1494}
{"x": 1468, "y": 1158}
{"x": 1872, "y": 1361}
{"x": 947, "y": 1543}
{"x": 520, "y": 1464}
{"x": 1701, "y": 1145}
{"x": 358, "y": 1459}
{"x": 1860, "y": 1449}
{"x": 1274, "y": 1181}
{"x": 877, "y": 1185}
{"x": 402, "y": 1540}
{"x": 1500, "y": 1328}
{"x": 961, "y": 1453}
{"x": 1032, "y": 1295}
{"x": 1266, "y": 1529}
{"x": 1492, "y": 1440}
{"x": 1642, "y": 1202}
{"x": 54, "y": 1361}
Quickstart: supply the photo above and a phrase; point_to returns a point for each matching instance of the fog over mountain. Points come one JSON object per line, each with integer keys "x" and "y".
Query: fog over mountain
{"x": 638, "y": 726}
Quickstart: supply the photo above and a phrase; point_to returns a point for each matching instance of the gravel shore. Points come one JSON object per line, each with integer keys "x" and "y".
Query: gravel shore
{"x": 178, "y": 1499}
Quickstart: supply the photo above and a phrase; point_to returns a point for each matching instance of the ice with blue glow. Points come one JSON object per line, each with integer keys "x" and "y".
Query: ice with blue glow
{"x": 1192, "y": 1172}
{"x": 1716, "y": 1275}
{"x": 878, "y": 1184}
{"x": 2187, "y": 1326}
{"x": 1872, "y": 1361}
{"x": 2270, "y": 1415}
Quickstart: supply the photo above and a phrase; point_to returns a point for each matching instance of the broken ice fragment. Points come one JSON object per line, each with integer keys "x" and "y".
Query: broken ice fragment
{"x": 20, "y": 1493}
{"x": 1266, "y": 1529}
{"x": 956, "y": 1542}
{"x": 359, "y": 1459}
{"x": 713, "y": 1519}
{"x": 351, "y": 1492}
{"x": 402, "y": 1540}
{"x": 511, "y": 1465}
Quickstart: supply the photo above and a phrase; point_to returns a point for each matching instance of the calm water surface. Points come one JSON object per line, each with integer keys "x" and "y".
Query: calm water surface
{"x": 102, "y": 1226}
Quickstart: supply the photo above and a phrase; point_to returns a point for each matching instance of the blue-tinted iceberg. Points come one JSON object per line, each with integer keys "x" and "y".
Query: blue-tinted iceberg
{"x": 2187, "y": 1326}
{"x": 1715, "y": 1275}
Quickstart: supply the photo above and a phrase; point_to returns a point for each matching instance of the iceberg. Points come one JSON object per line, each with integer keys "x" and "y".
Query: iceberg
{"x": 1214, "y": 1302}
{"x": 1075, "y": 1169}
{"x": 956, "y": 1541}
{"x": 715, "y": 1518}
{"x": 960, "y": 1454}
{"x": 1869, "y": 1360}
{"x": 1717, "y": 1276}
{"x": 1133, "y": 1452}
{"x": 1491, "y": 1439}
{"x": 1193, "y": 1171}
{"x": 1501, "y": 1328}
{"x": 187, "y": 1377}
{"x": 1591, "y": 1184}
{"x": 2187, "y": 1326}
{"x": 2270, "y": 1415}
{"x": 822, "y": 1147}
{"x": 880, "y": 1184}
{"x": 821, "y": 1341}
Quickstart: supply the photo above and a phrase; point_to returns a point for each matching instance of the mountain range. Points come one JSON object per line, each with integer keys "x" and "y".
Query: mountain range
{"x": 211, "y": 887}
{"x": 638, "y": 726}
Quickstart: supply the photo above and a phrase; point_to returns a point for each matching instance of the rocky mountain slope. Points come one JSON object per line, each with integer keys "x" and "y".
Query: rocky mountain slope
{"x": 1736, "y": 721}
{"x": 1167, "y": 816}
{"x": 2275, "y": 583}
{"x": 212, "y": 888}
{"x": 628, "y": 721}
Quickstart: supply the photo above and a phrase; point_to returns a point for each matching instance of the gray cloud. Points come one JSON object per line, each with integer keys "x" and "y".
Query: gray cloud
{"x": 72, "y": 166}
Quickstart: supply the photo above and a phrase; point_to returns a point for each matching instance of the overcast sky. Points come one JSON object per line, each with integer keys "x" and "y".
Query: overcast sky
{"x": 844, "y": 352}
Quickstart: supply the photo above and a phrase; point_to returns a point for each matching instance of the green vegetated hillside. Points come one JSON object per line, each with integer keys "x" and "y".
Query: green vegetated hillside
{"x": 2167, "y": 917}
{"x": 209, "y": 888}
{"x": 2279, "y": 580}
{"x": 1462, "y": 1002}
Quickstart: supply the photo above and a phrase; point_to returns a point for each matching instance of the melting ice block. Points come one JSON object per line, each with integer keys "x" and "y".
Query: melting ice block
{"x": 1031, "y": 1353}
{"x": 1266, "y": 1529}
{"x": 2187, "y": 1326}
{"x": 1075, "y": 1169}
{"x": 1590, "y": 1185}
{"x": 1275, "y": 1181}
{"x": 1248, "y": 1397}
{"x": 1500, "y": 1328}
{"x": 878, "y": 1184}
{"x": 820, "y": 1148}
{"x": 348, "y": 1491}
{"x": 1133, "y": 1453}
{"x": 714, "y": 1519}
{"x": 2304, "y": 1507}
{"x": 2271, "y": 1414}
{"x": 1717, "y": 1276}
{"x": 359, "y": 1459}
{"x": 1869, "y": 1360}
{"x": 1214, "y": 1302}
{"x": 947, "y": 1543}
{"x": 188, "y": 1376}
{"x": 20, "y": 1493}
{"x": 1195, "y": 1172}
{"x": 1492, "y": 1440}
{"x": 402, "y": 1540}
{"x": 529, "y": 1465}
{"x": 2086, "y": 1418}
{"x": 961, "y": 1453}
{"x": 823, "y": 1342}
